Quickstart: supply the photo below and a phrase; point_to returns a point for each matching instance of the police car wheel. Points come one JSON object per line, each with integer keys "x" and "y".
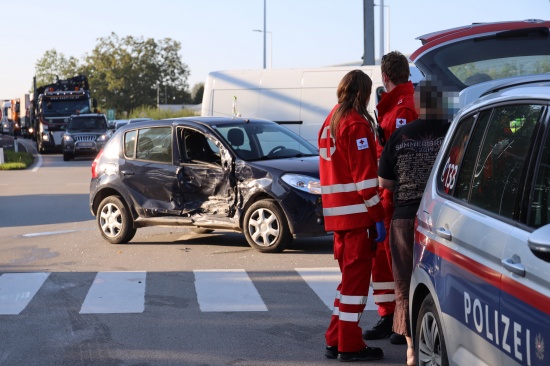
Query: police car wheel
{"x": 114, "y": 221}
{"x": 265, "y": 227}
{"x": 429, "y": 339}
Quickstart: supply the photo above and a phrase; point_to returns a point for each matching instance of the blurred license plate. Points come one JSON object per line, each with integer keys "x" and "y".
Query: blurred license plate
{"x": 86, "y": 144}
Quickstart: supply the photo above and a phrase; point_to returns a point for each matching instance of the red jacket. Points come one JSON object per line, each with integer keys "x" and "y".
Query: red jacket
{"x": 349, "y": 177}
{"x": 395, "y": 109}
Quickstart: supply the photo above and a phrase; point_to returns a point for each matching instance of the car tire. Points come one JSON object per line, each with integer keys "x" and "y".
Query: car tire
{"x": 114, "y": 221}
{"x": 265, "y": 227}
{"x": 67, "y": 156}
{"x": 429, "y": 339}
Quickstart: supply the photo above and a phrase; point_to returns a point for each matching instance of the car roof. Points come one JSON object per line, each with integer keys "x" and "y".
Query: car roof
{"x": 525, "y": 88}
{"x": 87, "y": 115}
{"x": 198, "y": 120}
{"x": 475, "y": 53}
{"x": 434, "y": 39}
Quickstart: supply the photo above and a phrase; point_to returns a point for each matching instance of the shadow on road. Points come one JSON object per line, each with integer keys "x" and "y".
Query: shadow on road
{"x": 59, "y": 209}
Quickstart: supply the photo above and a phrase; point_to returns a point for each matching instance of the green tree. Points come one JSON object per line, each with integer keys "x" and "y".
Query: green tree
{"x": 127, "y": 73}
{"x": 53, "y": 66}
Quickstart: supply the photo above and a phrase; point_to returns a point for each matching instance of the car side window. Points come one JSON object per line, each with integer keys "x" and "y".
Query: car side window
{"x": 539, "y": 213}
{"x": 130, "y": 144}
{"x": 490, "y": 176}
{"x": 448, "y": 176}
{"x": 155, "y": 144}
{"x": 198, "y": 148}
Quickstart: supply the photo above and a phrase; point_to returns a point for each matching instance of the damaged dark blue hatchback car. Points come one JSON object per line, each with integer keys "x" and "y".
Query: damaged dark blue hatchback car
{"x": 208, "y": 173}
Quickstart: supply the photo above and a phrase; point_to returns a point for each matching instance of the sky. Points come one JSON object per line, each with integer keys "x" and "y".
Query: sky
{"x": 219, "y": 34}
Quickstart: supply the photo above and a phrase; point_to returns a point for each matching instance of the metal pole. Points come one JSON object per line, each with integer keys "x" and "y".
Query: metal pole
{"x": 265, "y": 35}
{"x": 382, "y": 30}
{"x": 368, "y": 29}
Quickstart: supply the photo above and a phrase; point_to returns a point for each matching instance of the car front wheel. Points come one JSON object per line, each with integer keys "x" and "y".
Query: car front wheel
{"x": 266, "y": 228}
{"x": 114, "y": 221}
{"x": 429, "y": 340}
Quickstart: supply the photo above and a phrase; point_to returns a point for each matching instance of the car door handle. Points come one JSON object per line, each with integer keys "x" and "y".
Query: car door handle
{"x": 444, "y": 233}
{"x": 514, "y": 266}
{"x": 126, "y": 172}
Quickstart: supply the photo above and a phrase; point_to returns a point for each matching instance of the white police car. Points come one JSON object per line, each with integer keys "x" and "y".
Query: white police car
{"x": 480, "y": 288}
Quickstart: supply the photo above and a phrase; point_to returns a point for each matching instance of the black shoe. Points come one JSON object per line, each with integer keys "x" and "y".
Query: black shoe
{"x": 366, "y": 354}
{"x": 397, "y": 339}
{"x": 382, "y": 329}
{"x": 331, "y": 352}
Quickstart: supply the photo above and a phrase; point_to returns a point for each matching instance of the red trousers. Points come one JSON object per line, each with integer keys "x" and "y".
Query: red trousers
{"x": 382, "y": 276}
{"x": 354, "y": 251}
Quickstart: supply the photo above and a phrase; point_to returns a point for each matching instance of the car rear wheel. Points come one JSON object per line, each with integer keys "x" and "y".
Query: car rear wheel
{"x": 429, "y": 340}
{"x": 114, "y": 221}
{"x": 266, "y": 228}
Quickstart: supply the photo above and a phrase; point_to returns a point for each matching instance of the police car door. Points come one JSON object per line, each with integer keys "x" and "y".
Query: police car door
{"x": 525, "y": 295}
{"x": 471, "y": 222}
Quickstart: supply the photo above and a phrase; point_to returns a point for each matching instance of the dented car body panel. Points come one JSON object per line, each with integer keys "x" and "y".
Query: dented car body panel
{"x": 208, "y": 172}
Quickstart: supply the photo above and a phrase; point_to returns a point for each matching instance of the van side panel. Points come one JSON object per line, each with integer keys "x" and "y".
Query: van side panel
{"x": 299, "y": 99}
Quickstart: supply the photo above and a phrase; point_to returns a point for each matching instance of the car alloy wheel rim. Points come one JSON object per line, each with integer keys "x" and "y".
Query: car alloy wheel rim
{"x": 263, "y": 227}
{"x": 429, "y": 343}
{"x": 110, "y": 220}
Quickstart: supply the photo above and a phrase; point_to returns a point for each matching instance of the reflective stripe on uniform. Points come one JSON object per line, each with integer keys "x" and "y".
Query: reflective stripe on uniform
{"x": 383, "y": 285}
{"x": 353, "y": 300}
{"x": 349, "y": 317}
{"x": 336, "y": 311}
{"x": 373, "y": 201}
{"x": 350, "y": 187}
{"x": 345, "y": 210}
{"x": 383, "y": 298}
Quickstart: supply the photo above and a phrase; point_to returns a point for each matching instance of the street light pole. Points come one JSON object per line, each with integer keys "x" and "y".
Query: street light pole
{"x": 270, "y": 46}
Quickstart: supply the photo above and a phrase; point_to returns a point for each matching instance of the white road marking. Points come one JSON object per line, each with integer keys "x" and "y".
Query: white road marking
{"x": 324, "y": 281}
{"x": 18, "y": 289}
{"x": 226, "y": 290}
{"x": 48, "y": 233}
{"x": 116, "y": 292}
{"x": 38, "y": 165}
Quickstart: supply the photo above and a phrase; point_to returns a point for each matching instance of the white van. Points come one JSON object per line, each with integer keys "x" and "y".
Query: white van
{"x": 299, "y": 99}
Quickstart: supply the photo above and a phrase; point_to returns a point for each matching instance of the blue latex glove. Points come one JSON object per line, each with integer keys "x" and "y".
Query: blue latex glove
{"x": 381, "y": 230}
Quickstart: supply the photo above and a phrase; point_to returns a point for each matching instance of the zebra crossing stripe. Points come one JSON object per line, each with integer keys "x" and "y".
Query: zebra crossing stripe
{"x": 18, "y": 289}
{"x": 116, "y": 292}
{"x": 229, "y": 290}
{"x": 324, "y": 281}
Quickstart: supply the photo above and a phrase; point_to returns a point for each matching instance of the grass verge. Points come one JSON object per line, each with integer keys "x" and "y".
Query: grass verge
{"x": 16, "y": 160}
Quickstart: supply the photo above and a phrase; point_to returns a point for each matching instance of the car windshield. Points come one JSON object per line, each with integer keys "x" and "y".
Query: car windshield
{"x": 261, "y": 141}
{"x": 484, "y": 58}
{"x": 87, "y": 124}
{"x": 62, "y": 107}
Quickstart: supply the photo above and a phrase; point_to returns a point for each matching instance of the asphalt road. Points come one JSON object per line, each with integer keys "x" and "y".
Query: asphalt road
{"x": 169, "y": 297}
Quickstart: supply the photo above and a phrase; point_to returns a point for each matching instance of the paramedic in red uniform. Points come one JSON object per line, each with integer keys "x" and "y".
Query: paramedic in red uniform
{"x": 395, "y": 109}
{"x": 352, "y": 210}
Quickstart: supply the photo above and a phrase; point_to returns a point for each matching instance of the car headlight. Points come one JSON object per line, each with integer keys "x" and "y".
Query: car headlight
{"x": 68, "y": 138}
{"x": 102, "y": 138}
{"x": 303, "y": 182}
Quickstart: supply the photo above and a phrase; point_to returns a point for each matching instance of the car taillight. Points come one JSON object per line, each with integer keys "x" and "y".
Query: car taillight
{"x": 95, "y": 164}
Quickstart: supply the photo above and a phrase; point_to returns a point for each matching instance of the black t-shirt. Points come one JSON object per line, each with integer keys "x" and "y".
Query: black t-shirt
{"x": 407, "y": 159}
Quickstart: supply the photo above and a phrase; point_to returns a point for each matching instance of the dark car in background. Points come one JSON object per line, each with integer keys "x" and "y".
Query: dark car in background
{"x": 208, "y": 173}
{"x": 86, "y": 134}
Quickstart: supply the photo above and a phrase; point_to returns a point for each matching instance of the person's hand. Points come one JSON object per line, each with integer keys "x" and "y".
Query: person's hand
{"x": 381, "y": 230}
